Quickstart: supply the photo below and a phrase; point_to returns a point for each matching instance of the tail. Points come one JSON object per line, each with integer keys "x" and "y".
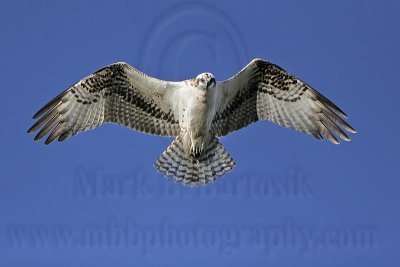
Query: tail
{"x": 184, "y": 168}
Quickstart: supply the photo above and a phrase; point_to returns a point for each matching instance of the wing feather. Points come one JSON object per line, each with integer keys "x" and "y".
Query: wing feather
{"x": 264, "y": 91}
{"x": 116, "y": 93}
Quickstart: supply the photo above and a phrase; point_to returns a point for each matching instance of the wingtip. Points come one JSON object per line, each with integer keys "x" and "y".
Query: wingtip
{"x": 336, "y": 142}
{"x": 62, "y": 137}
{"x": 47, "y": 142}
{"x": 350, "y": 128}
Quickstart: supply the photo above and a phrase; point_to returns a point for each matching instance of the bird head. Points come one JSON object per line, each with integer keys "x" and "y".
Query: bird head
{"x": 205, "y": 81}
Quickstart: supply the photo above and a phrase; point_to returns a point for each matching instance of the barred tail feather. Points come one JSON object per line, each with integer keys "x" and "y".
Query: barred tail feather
{"x": 215, "y": 161}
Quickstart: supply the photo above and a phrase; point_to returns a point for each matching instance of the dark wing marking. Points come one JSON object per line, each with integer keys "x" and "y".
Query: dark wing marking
{"x": 264, "y": 91}
{"x": 117, "y": 93}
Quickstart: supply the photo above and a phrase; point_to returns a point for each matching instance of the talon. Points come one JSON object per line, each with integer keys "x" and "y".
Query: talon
{"x": 191, "y": 150}
{"x": 195, "y": 151}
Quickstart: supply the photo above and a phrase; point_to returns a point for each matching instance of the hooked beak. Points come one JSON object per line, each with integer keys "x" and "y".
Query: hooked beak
{"x": 211, "y": 81}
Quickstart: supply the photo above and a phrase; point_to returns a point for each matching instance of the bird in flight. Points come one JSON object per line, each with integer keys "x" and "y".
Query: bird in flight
{"x": 195, "y": 111}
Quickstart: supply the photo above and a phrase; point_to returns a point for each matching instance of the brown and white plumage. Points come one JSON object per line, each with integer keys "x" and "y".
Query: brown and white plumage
{"x": 117, "y": 93}
{"x": 264, "y": 91}
{"x": 213, "y": 162}
{"x": 197, "y": 111}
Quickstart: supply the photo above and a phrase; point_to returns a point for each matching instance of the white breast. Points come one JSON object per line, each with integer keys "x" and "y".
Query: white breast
{"x": 196, "y": 109}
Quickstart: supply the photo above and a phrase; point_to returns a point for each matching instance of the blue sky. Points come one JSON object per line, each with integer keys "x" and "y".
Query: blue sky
{"x": 292, "y": 200}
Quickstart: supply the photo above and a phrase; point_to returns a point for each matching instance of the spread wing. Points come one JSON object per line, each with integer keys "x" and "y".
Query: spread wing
{"x": 264, "y": 91}
{"x": 117, "y": 93}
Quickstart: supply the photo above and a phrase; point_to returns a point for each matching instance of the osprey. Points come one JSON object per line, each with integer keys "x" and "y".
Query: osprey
{"x": 195, "y": 111}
